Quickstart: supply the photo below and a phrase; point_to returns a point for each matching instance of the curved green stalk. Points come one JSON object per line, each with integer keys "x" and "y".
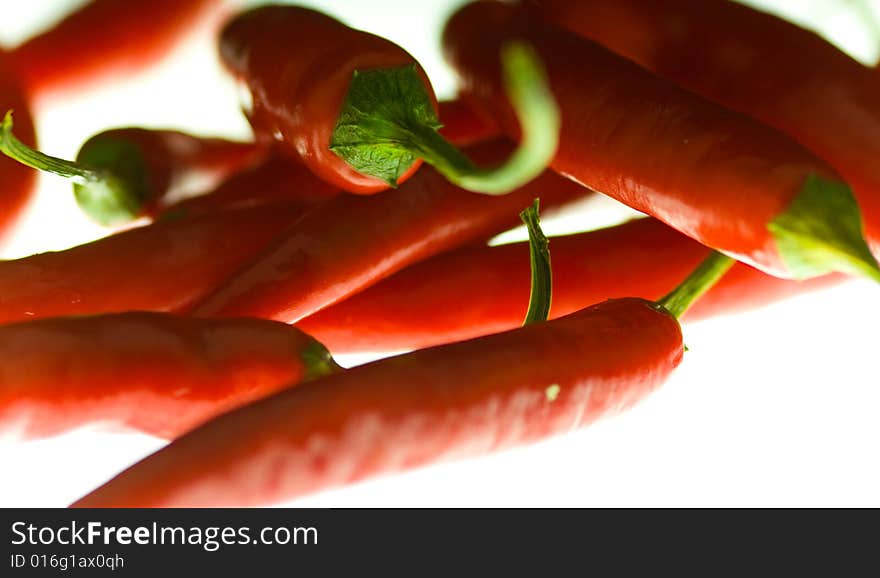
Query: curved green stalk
{"x": 108, "y": 195}
{"x": 542, "y": 273}
{"x": 388, "y": 122}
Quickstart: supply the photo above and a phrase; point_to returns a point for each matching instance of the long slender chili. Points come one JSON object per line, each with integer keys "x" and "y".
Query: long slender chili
{"x": 17, "y": 183}
{"x": 479, "y": 290}
{"x": 360, "y": 111}
{"x": 160, "y": 267}
{"x": 353, "y": 241}
{"x": 108, "y": 39}
{"x": 718, "y": 176}
{"x": 468, "y": 398}
{"x": 122, "y": 174}
{"x": 786, "y": 76}
{"x": 153, "y": 372}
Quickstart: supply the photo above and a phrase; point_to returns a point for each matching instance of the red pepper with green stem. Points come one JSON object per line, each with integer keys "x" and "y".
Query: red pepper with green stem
{"x": 107, "y": 39}
{"x": 17, "y": 183}
{"x": 718, "y": 176}
{"x": 446, "y": 402}
{"x": 353, "y": 241}
{"x": 288, "y": 179}
{"x": 359, "y": 110}
{"x": 122, "y": 174}
{"x": 160, "y": 267}
{"x": 476, "y": 291}
{"x": 153, "y": 372}
{"x": 784, "y": 75}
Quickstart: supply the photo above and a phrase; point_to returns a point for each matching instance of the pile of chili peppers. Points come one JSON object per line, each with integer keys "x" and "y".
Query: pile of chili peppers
{"x": 357, "y": 220}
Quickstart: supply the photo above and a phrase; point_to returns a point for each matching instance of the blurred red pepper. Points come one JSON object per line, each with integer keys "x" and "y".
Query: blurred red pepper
{"x": 465, "y": 126}
{"x": 108, "y": 39}
{"x": 17, "y": 182}
{"x": 277, "y": 178}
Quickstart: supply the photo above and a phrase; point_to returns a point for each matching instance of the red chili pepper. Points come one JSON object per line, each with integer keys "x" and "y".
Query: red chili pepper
{"x": 359, "y": 110}
{"x": 717, "y": 176}
{"x": 17, "y": 183}
{"x": 108, "y": 38}
{"x": 161, "y": 267}
{"x": 277, "y": 178}
{"x": 153, "y": 372}
{"x": 123, "y": 174}
{"x": 352, "y": 241}
{"x": 282, "y": 178}
{"x": 440, "y": 403}
{"x": 784, "y": 75}
{"x": 464, "y": 126}
{"x": 476, "y": 291}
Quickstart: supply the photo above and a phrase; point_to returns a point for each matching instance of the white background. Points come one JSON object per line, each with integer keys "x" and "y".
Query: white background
{"x": 778, "y": 407}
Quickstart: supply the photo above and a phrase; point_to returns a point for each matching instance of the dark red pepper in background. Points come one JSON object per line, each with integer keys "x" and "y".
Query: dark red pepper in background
{"x": 107, "y": 39}
{"x": 465, "y": 126}
{"x": 17, "y": 183}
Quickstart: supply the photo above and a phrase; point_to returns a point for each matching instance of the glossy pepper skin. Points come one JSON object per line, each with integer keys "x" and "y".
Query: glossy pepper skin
{"x": 276, "y": 179}
{"x": 785, "y": 76}
{"x": 441, "y": 403}
{"x": 160, "y": 267}
{"x": 298, "y": 65}
{"x": 107, "y": 39}
{"x": 477, "y": 291}
{"x": 353, "y": 241}
{"x": 153, "y": 372}
{"x": 160, "y": 161}
{"x": 17, "y": 182}
{"x": 713, "y": 174}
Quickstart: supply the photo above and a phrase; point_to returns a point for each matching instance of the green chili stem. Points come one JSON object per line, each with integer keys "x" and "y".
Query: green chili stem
{"x": 697, "y": 283}
{"x": 15, "y": 149}
{"x": 542, "y": 273}
{"x": 539, "y": 120}
{"x": 388, "y": 121}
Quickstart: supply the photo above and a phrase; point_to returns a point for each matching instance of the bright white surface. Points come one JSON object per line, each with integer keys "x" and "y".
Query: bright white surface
{"x": 777, "y": 407}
